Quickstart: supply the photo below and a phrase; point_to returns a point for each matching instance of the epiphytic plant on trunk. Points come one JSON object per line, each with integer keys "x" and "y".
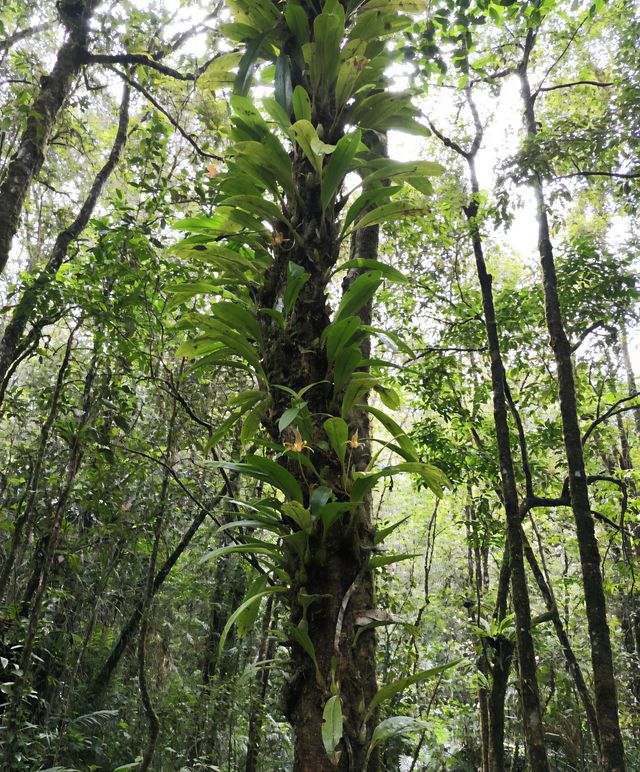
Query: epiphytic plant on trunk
{"x": 272, "y": 250}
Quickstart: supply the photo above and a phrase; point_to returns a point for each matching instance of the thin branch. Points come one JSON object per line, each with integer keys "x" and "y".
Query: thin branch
{"x": 585, "y": 334}
{"x": 576, "y": 83}
{"x": 136, "y": 59}
{"x": 613, "y": 410}
{"x": 614, "y": 175}
{"x": 16, "y": 37}
{"x": 139, "y": 87}
{"x": 446, "y": 141}
{"x": 553, "y": 65}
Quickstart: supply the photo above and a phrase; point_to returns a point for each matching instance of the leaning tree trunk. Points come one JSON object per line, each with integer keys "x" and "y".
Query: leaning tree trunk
{"x": 29, "y": 157}
{"x": 11, "y": 344}
{"x": 601, "y": 655}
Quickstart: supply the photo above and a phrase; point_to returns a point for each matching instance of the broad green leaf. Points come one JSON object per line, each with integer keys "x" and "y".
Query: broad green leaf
{"x": 376, "y": 24}
{"x": 301, "y": 104}
{"x": 337, "y": 431}
{"x": 241, "y": 609}
{"x": 299, "y": 514}
{"x": 219, "y": 73}
{"x": 277, "y": 113}
{"x": 394, "y": 210}
{"x": 332, "y": 727}
{"x": 328, "y": 32}
{"x": 245, "y": 109}
{"x": 298, "y": 22}
{"x": 263, "y": 15}
{"x": 339, "y": 334}
{"x": 276, "y": 475}
{"x": 389, "y": 397}
{"x": 339, "y": 164}
{"x": 361, "y": 383}
{"x": 347, "y": 360}
{"x": 359, "y": 293}
{"x": 297, "y": 277}
{"x": 389, "y": 690}
{"x": 388, "y": 271}
{"x": 305, "y": 134}
{"x": 271, "y": 157}
{"x": 289, "y": 416}
{"x": 395, "y": 430}
{"x": 395, "y": 726}
{"x": 237, "y": 317}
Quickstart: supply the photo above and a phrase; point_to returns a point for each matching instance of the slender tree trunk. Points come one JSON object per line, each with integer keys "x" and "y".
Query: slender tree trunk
{"x": 631, "y": 378}
{"x": 24, "y": 516}
{"x": 145, "y": 615}
{"x": 33, "y": 601}
{"x": 10, "y": 344}
{"x": 29, "y": 157}
{"x": 573, "y": 665}
{"x": 256, "y": 716}
{"x": 534, "y": 730}
{"x": 103, "y": 677}
{"x": 601, "y": 654}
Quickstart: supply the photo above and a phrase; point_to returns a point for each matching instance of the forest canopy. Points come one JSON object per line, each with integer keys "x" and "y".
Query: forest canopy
{"x": 319, "y": 418}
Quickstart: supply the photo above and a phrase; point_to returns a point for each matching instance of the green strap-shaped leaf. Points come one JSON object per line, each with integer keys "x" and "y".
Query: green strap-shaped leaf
{"x": 301, "y": 104}
{"x": 332, "y": 727}
{"x": 247, "y": 65}
{"x": 388, "y": 271}
{"x": 283, "y": 84}
{"x": 358, "y": 294}
{"x": 389, "y": 690}
{"x": 241, "y": 609}
{"x": 339, "y": 334}
{"x": 340, "y": 163}
{"x": 394, "y": 210}
{"x": 305, "y": 134}
{"x": 297, "y": 277}
{"x": 337, "y": 431}
{"x": 347, "y": 360}
{"x": 395, "y": 430}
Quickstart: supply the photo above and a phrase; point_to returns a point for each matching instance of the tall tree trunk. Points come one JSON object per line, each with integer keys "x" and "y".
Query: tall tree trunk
{"x": 532, "y": 720}
{"x": 601, "y": 654}
{"x": 29, "y": 157}
{"x": 573, "y": 665}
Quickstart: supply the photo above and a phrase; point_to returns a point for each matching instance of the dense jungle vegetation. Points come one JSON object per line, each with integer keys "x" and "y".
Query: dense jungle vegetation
{"x": 319, "y": 422}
